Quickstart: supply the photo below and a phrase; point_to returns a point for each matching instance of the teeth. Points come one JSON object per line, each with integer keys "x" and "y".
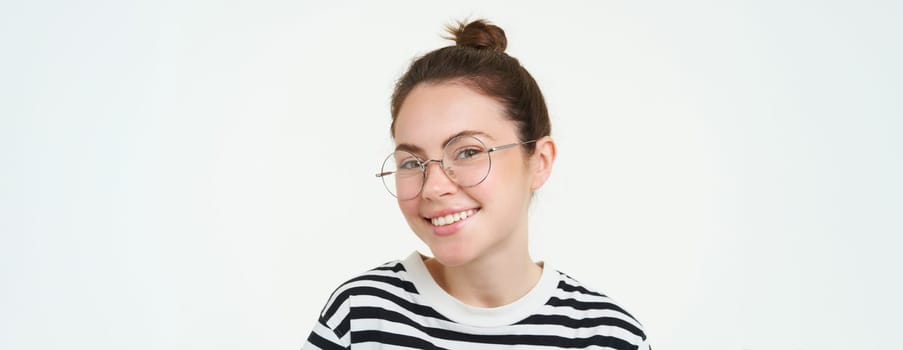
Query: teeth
{"x": 452, "y": 218}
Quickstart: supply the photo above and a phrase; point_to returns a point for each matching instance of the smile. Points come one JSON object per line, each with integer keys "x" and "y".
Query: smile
{"x": 452, "y": 218}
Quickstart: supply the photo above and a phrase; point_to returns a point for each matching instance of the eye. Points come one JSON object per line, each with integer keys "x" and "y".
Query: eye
{"x": 409, "y": 164}
{"x": 468, "y": 153}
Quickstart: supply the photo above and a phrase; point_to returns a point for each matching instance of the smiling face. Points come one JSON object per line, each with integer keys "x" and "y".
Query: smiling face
{"x": 463, "y": 224}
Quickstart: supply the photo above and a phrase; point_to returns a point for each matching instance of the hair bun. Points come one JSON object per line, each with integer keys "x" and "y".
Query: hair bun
{"x": 479, "y": 34}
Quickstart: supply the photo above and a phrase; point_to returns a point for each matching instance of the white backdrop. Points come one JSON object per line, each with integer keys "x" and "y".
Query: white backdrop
{"x": 198, "y": 175}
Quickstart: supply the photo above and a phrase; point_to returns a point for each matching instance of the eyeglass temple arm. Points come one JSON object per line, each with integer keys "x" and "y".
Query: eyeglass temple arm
{"x": 499, "y": 148}
{"x": 385, "y": 173}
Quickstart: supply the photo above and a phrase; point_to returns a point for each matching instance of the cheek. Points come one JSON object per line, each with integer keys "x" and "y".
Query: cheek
{"x": 509, "y": 175}
{"x": 502, "y": 186}
{"x": 409, "y": 208}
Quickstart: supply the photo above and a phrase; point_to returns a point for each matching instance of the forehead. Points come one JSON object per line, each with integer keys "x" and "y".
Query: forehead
{"x": 432, "y": 113}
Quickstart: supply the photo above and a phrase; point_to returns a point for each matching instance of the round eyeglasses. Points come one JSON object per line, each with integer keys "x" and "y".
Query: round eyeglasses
{"x": 465, "y": 160}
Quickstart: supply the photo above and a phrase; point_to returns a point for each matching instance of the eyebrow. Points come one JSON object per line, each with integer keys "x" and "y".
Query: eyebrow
{"x": 417, "y": 150}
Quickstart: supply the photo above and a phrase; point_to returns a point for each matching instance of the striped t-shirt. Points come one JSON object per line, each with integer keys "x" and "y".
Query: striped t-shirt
{"x": 399, "y": 306}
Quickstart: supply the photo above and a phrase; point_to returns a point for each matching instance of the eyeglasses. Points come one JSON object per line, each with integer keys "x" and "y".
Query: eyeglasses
{"x": 465, "y": 160}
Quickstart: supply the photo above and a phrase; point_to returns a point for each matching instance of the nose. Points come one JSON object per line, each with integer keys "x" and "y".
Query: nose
{"x": 436, "y": 183}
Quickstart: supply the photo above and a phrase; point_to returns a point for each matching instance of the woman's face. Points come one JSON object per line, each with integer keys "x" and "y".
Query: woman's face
{"x": 497, "y": 207}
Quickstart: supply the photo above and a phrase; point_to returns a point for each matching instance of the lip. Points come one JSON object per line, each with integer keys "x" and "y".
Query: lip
{"x": 450, "y": 229}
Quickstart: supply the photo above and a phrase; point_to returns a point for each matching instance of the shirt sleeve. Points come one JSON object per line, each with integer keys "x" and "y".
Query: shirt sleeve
{"x": 332, "y": 328}
{"x": 323, "y": 337}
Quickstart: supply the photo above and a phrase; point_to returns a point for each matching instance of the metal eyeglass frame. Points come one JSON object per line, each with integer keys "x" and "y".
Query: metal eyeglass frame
{"x": 425, "y": 163}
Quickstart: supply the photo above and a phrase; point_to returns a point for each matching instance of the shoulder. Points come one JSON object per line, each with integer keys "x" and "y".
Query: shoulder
{"x": 592, "y": 308}
{"x": 388, "y": 275}
{"x": 386, "y": 281}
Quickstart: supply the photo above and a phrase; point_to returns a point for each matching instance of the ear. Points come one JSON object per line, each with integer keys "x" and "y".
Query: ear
{"x": 542, "y": 160}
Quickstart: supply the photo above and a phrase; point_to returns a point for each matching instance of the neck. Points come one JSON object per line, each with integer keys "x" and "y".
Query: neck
{"x": 490, "y": 281}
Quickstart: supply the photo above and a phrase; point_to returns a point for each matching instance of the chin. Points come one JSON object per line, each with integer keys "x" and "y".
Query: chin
{"x": 451, "y": 256}
{"x": 454, "y": 250}
{"x": 450, "y": 261}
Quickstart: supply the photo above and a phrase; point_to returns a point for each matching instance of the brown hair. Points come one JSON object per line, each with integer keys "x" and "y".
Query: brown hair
{"x": 479, "y": 60}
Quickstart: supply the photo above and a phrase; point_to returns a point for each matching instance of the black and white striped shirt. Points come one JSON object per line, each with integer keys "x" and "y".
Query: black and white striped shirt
{"x": 399, "y": 306}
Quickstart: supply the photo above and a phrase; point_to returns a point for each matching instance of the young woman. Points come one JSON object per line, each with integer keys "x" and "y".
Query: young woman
{"x": 472, "y": 145}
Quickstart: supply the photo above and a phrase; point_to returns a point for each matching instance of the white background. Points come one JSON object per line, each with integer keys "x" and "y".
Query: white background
{"x": 199, "y": 175}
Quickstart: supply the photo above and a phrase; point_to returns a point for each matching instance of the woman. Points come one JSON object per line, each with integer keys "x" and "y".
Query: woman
{"x": 472, "y": 145}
